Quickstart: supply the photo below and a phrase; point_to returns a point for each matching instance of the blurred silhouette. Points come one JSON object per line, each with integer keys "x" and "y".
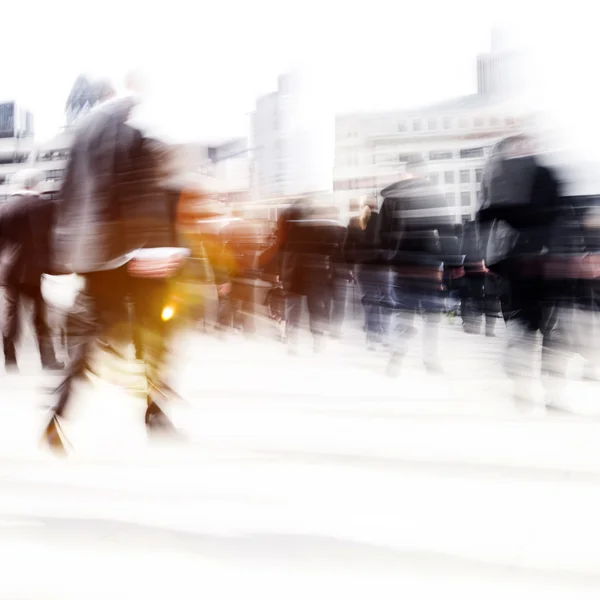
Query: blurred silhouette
{"x": 520, "y": 209}
{"x": 413, "y": 214}
{"x": 362, "y": 250}
{"x": 26, "y": 223}
{"x": 112, "y": 204}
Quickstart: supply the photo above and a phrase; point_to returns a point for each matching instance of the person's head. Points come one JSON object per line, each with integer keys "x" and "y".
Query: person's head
{"x": 415, "y": 166}
{"x": 27, "y": 180}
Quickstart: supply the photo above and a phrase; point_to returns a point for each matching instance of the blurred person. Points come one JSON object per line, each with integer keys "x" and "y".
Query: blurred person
{"x": 26, "y": 223}
{"x": 341, "y": 275}
{"x": 308, "y": 271}
{"x": 520, "y": 215}
{"x": 111, "y": 205}
{"x": 413, "y": 216}
{"x": 277, "y": 259}
{"x": 362, "y": 250}
{"x": 453, "y": 269}
{"x": 241, "y": 244}
{"x": 477, "y": 299}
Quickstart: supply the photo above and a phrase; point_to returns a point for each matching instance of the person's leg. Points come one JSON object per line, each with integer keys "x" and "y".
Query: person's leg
{"x": 431, "y": 303}
{"x": 149, "y": 297}
{"x": 406, "y": 303}
{"x": 338, "y": 308}
{"x": 317, "y": 299}
{"x": 371, "y": 302}
{"x": 10, "y": 325}
{"x": 42, "y": 331}
{"x": 247, "y": 307}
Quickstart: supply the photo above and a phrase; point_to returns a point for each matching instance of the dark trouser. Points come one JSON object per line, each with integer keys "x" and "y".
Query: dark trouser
{"x": 337, "y": 304}
{"x": 238, "y": 307}
{"x": 373, "y": 281}
{"x": 316, "y": 292}
{"x": 410, "y": 298}
{"x": 530, "y": 305}
{"x": 13, "y": 297}
{"x": 113, "y": 299}
{"x": 476, "y": 300}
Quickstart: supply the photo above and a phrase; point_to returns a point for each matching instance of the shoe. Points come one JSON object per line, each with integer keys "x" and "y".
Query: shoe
{"x": 157, "y": 421}
{"x": 11, "y": 367}
{"x": 53, "y": 437}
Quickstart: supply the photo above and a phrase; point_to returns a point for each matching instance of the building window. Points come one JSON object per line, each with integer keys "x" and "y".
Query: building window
{"x": 55, "y": 175}
{"x": 465, "y": 176}
{"x": 478, "y": 175}
{"x": 431, "y": 124}
{"x": 403, "y": 158}
{"x": 494, "y": 121}
{"x": 402, "y": 126}
{"x": 449, "y": 177}
{"x": 450, "y": 198}
{"x": 463, "y": 123}
{"x": 447, "y": 123}
{"x": 417, "y": 125}
{"x": 440, "y": 155}
{"x": 471, "y": 153}
{"x": 434, "y": 178}
{"x": 465, "y": 198}
{"x": 478, "y": 122}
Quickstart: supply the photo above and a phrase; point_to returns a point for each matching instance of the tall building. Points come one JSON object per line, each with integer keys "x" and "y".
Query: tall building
{"x": 269, "y": 134}
{"x": 231, "y": 165}
{"x": 16, "y": 143}
{"x": 287, "y": 140}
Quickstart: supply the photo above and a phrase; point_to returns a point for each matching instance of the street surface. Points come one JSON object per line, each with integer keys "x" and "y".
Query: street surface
{"x": 305, "y": 477}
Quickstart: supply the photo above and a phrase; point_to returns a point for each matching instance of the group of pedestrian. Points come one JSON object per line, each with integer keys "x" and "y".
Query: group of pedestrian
{"x": 528, "y": 256}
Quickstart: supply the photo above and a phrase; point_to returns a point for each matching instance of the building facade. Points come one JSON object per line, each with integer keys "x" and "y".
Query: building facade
{"x": 454, "y": 137}
{"x": 16, "y": 143}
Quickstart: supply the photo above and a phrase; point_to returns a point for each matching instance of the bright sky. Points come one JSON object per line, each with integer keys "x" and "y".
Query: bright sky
{"x": 209, "y": 61}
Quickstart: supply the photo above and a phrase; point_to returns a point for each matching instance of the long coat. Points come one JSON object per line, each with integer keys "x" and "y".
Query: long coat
{"x": 111, "y": 201}
{"x": 25, "y": 232}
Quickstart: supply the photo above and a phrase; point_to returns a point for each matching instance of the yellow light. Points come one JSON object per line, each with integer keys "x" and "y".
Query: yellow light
{"x": 167, "y": 313}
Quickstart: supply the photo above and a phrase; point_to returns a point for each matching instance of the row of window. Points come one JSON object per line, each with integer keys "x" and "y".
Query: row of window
{"x": 466, "y": 198}
{"x": 54, "y": 155}
{"x": 465, "y": 176}
{"x": 434, "y": 124}
{"x": 14, "y": 158}
{"x": 55, "y": 174}
{"x": 464, "y": 153}
{"x": 446, "y": 178}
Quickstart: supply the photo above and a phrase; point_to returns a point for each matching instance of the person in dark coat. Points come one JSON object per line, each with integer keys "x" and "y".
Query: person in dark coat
{"x": 362, "y": 250}
{"x": 113, "y": 203}
{"x": 520, "y": 214}
{"x": 312, "y": 243}
{"x": 477, "y": 298}
{"x": 413, "y": 216}
{"x": 26, "y": 223}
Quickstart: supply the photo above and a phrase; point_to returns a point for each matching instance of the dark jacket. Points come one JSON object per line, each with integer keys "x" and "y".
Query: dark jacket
{"x": 519, "y": 211}
{"x": 311, "y": 250}
{"x": 361, "y": 246}
{"x": 111, "y": 201}
{"x": 26, "y": 223}
{"x": 412, "y": 218}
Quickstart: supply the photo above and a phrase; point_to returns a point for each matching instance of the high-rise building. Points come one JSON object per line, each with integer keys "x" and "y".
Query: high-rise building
{"x": 286, "y": 141}
{"x": 16, "y": 143}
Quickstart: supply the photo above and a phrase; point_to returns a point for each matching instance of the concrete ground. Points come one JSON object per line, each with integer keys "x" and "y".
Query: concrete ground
{"x": 311, "y": 476}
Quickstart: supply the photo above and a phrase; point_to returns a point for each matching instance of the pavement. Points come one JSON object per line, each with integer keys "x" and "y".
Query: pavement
{"x": 310, "y": 476}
